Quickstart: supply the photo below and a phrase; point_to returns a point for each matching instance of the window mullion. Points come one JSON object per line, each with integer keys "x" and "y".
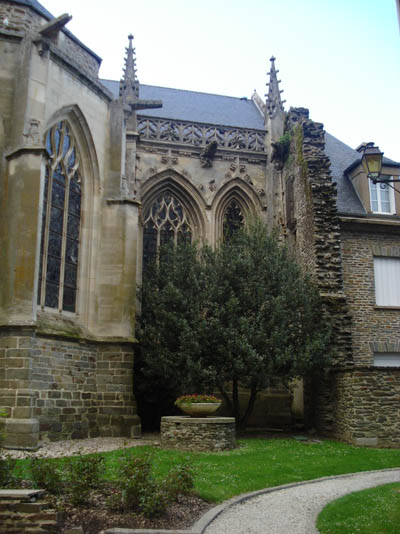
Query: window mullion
{"x": 46, "y": 237}
{"x": 64, "y": 240}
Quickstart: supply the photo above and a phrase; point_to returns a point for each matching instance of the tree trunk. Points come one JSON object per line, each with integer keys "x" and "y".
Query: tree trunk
{"x": 249, "y": 409}
{"x": 235, "y": 399}
{"x": 227, "y": 399}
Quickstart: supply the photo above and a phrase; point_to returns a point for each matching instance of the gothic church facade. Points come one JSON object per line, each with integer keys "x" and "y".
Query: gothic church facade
{"x": 95, "y": 174}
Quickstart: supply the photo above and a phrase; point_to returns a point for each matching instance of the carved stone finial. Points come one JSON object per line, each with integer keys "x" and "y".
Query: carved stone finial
{"x": 274, "y": 103}
{"x": 129, "y": 85}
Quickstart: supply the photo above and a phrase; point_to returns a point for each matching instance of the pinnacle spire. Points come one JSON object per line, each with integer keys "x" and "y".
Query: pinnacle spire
{"x": 129, "y": 85}
{"x": 274, "y": 102}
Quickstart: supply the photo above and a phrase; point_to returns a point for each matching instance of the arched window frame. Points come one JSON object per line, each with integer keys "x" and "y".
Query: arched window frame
{"x": 61, "y": 221}
{"x": 243, "y": 195}
{"x": 180, "y": 187}
{"x": 166, "y": 213}
{"x": 85, "y": 312}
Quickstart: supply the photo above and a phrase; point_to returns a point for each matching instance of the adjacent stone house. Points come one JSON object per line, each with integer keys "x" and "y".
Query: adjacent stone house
{"x": 96, "y": 173}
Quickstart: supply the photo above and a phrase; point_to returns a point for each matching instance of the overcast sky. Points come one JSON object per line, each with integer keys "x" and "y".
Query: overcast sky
{"x": 339, "y": 58}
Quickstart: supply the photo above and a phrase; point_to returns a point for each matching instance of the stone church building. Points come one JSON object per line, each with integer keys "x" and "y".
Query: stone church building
{"x": 95, "y": 174}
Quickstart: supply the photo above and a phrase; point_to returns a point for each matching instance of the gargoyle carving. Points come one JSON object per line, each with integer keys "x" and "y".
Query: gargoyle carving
{"x": 207, "y": 156}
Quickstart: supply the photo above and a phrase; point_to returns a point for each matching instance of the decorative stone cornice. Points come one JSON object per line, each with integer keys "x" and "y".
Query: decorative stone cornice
{"x": 200, "y": 135}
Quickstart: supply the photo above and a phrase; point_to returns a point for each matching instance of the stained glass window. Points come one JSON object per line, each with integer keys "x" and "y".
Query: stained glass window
{"x": 58, "y": 271}
{"x": 233, "y": 219}
{"x": 164, "y": 221}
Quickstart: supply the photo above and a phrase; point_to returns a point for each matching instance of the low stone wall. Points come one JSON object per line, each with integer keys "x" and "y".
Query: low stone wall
{"x": 26, "y": 511}
{"x": 369, "y": 408}
{"x": 198, "y": 433}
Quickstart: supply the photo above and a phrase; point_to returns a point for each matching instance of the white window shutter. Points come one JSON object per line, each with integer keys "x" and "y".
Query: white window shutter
{"x": 387, "y": 281}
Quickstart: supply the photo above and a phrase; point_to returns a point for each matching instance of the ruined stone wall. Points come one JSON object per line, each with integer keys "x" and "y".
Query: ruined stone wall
{"x": 353, "y": 400}
{"x": 311, "y": 227}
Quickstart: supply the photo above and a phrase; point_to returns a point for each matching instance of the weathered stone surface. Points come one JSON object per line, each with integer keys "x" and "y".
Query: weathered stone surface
{"x": 198, "y": 433}
{"x": 26, "y": 511}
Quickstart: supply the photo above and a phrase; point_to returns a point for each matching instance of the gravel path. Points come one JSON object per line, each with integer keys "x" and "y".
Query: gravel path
{"x": 288, "y": 509}
{"x": 73, "y": 447}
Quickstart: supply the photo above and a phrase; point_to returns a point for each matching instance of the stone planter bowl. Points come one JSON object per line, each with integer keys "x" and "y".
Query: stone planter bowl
{"x": 199, "y": 409}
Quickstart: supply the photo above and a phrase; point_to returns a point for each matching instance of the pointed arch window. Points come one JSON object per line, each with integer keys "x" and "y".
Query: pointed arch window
{"x": 233, "y": 219}
{"x": 165, "y": 220}
{"x": 61, "y": 220}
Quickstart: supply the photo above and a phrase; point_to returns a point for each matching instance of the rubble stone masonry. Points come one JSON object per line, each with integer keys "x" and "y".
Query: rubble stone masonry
{"x": 354, "y": 400}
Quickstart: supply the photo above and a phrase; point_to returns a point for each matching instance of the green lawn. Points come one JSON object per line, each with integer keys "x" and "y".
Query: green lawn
{"x": 372, "y": 511}
{"x": 261, "y": 463}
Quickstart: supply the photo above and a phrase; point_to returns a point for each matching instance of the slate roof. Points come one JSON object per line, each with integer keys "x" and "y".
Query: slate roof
{"x": 342, "y": 159}
{"x": 34, "y": 4}
{"x": 342, "y": 156}
{"x": 194, "y": 106}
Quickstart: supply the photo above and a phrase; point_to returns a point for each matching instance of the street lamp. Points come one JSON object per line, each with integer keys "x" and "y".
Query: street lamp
{"x": 372, "y": 163}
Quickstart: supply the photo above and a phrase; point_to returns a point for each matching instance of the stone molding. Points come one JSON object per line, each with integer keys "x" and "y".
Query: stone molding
{"x": 199, "y": 135}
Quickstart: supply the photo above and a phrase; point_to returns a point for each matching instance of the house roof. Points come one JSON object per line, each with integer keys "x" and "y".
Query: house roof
{"x": 342, "y": 156}
{"x": 193, "y": 106}
{"x": 343, "y": 159}
{"x": 34, "y": 4}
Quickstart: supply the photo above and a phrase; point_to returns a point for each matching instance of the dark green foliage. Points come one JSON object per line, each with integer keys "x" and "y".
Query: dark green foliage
{"x": 138, "y": 490}
{"x": 83, "y": 474}
{"x": 281, "y": 149}
{"x": 7, "y": 466}
{"x": 136, "y": 480}
{"x": 179, "y": 481}
{"x": 240, "y": 316}
{"x": 46, "y": 474}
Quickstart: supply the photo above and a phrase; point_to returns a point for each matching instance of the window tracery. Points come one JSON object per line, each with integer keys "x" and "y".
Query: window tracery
{"x": 61, "y": 218}
{"x": 233, "y": 219}
{"x": 166, "y": 220}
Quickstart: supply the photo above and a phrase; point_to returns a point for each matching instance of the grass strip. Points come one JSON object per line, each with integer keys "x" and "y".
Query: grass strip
{"x": 257, "y": 464}
{"x": 371, "y": 511}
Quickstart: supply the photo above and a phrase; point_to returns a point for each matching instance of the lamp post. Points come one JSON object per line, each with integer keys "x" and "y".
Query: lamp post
{"x": 372, "y": 163}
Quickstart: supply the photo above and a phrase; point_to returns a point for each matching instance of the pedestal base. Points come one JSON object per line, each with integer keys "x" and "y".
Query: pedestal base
{"x": 198, "y": 433}
{"x": 21, "y": 433}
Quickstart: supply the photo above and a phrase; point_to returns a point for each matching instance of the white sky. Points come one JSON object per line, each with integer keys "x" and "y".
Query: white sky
{"x": 339, "y": 58}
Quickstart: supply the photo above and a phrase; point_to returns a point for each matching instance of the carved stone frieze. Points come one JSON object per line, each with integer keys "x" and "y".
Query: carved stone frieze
{"x": 200, "y": 135}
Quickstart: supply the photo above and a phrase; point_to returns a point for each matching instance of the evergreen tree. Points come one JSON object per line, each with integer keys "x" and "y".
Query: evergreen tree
{"x": 240, "y": 316}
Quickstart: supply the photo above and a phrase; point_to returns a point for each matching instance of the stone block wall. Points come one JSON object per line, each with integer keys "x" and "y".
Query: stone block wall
{"x": 26, "y": 20}
{"x": 26, "y": 511}
{"x": 54, "y": 389}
